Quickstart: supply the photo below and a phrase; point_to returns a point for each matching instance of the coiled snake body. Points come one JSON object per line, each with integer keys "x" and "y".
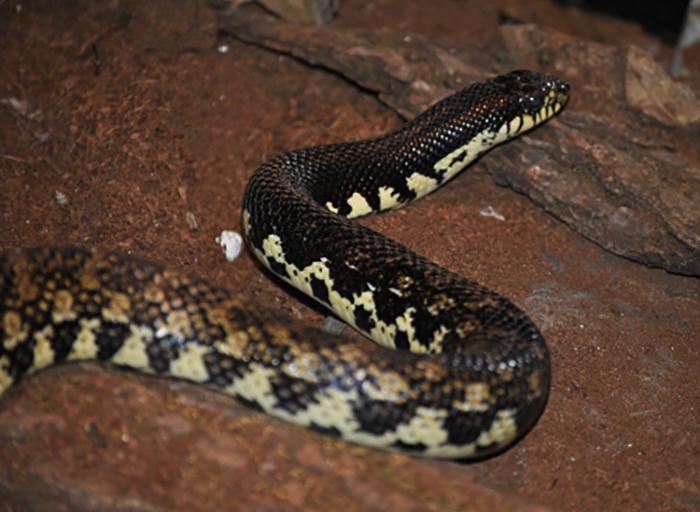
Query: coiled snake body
{"x": 471, "y": 371}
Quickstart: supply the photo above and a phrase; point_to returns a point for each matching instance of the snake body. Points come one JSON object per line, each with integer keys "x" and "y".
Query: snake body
{"x": 470, "y": 373}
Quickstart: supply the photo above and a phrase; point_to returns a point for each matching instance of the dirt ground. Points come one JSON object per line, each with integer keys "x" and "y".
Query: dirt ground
{"x": 125, "y": 125}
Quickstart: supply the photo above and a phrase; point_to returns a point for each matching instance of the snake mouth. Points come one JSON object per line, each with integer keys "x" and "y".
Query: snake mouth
{"x": 561, "y": 92}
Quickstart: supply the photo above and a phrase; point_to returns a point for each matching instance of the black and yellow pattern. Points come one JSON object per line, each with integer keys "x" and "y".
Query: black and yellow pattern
{"x": 471, "y": 371}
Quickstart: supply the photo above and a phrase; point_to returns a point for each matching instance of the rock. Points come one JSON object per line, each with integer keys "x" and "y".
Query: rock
{"x": 655, "y": 93}
{"x": 613, "y": 169}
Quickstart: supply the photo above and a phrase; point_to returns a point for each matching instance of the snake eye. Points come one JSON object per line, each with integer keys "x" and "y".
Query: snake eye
{"x": 535, "y": 102}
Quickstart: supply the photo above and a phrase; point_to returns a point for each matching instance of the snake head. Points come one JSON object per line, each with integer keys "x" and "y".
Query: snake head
{"x": 532, "y": 94}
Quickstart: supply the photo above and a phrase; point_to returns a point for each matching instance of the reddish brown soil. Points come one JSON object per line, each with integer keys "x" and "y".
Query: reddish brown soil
{"x": 160, "y": 132}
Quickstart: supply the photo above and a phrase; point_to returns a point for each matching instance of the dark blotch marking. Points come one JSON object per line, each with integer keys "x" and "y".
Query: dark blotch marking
{"x": 250, "y": 403}
{"x": 328, "y": 431}
{"x": 21, "y": 357}
{"x": 416, "y": 448}
{"x": 63, "y": 339}
{"x": 110, "y": 338}
{"x": 363, "y": 319}
{"x": 465, "y": 428}
{"x": 401, "y": 340}
{"x": 278, "y": 268}
{"x": 379, "y": 417}
{"x": 459, "y": 158}
{"x": 161, "y": 352}
{"x": 319, "y": 289}
{"x": 293, "y": 395}
{"x": 222, "y": 369}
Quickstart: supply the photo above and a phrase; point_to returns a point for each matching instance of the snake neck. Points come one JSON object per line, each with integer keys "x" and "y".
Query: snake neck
{"x": 355, "y": 179}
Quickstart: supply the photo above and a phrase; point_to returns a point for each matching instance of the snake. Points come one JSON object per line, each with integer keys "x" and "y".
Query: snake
{"x": 456, "y": 370}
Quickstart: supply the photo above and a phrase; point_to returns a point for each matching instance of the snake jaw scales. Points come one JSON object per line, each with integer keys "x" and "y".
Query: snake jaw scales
{"x": 470, "y": 373}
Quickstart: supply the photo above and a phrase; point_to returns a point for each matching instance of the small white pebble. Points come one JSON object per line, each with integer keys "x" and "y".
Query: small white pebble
{"x": 20, "y": 106}
{"x": 232, "y": 243}
{"x": 191, "y": 221}
{"x": 488, "y": 211}
{"x": 61, "y": 198}
{"x": 41, "y": 135}
{"x": 223, "y": 48}
{"x": 421, "y": 85}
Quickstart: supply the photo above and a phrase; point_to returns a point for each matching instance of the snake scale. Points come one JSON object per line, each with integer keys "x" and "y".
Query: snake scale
{"x": 470, "y": 373}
